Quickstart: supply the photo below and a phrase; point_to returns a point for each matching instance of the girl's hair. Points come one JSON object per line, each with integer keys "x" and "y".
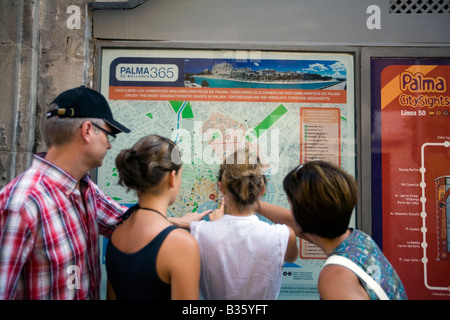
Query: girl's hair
{"x": 241, "y": 175}
{"x": 322, "y": 197}
{"x": 144, "y": 166}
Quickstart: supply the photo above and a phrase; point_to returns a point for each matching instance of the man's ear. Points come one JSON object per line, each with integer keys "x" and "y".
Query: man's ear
{"x": 87, "y": 130}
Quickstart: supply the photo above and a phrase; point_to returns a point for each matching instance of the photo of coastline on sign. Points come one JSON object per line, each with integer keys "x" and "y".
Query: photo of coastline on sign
{"x": 270, "y": 74}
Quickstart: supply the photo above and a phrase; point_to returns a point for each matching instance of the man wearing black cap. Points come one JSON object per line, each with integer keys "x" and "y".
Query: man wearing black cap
{"x": 51, "y": 215}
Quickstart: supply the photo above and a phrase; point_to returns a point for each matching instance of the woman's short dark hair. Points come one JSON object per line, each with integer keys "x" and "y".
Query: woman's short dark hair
{"x": 142, "y": 167}
{"x": 322, "y": 197}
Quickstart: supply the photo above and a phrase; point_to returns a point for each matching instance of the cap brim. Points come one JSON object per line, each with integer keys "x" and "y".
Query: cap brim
{"x": 116, "y": 126}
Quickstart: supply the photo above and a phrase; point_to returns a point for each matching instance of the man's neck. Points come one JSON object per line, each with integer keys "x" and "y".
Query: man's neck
{"x": 68, "y": 159}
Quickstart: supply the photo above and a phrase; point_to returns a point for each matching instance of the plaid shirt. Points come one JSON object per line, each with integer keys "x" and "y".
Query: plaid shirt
{"x": 49, "y": 247}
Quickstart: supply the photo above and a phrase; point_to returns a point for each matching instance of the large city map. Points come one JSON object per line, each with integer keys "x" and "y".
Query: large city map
{"x": 206, "y": 125}
{"x": 285, "y": 112}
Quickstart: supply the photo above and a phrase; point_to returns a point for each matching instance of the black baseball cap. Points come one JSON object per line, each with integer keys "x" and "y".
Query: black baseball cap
{"x": 83, "y": 102}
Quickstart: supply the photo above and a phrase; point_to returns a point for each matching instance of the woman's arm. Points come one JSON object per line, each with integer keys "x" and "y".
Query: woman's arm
{"x": 292, "y": 249}
{"x": 110, "y": 294}
{"x": 278, "y": 214}
{"x": 185, "y": 221}
{"x": 179, "y": 264}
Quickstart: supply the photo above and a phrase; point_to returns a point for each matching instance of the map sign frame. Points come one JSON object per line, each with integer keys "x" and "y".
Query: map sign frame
{"x": 286, "y": 107}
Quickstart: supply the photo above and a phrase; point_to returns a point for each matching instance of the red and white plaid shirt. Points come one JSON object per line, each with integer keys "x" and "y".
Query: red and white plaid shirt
{"x": 49, "y": 246}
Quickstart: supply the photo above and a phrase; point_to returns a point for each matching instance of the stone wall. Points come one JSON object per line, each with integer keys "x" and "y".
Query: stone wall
{"x": 46, "y": 47}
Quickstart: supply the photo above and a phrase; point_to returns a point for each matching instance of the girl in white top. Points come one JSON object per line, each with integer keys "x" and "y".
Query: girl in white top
{"x": 242, "y": 256}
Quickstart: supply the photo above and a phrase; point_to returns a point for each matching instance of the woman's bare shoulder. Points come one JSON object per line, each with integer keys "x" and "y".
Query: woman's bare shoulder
{"x": 339, "y": 283}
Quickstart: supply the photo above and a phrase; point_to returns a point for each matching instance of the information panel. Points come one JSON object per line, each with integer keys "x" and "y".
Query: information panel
{"x": 411, "y": 171}
{"x": 286, "y": 107}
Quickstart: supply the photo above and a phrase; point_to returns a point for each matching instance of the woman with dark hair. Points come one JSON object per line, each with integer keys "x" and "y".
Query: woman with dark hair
{"x": 147, "y": 257}
{"x": 322, "y": 197}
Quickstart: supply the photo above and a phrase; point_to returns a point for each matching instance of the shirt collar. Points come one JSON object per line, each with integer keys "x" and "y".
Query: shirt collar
{"x": 59, "y": 177}
{"x": 233, "y": 217}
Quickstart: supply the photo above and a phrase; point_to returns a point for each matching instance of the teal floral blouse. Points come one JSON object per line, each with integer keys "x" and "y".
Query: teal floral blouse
{"x": 362, "y": 250}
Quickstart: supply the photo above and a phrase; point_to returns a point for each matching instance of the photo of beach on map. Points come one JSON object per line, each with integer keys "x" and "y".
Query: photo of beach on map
{"x": 266, "y": 74}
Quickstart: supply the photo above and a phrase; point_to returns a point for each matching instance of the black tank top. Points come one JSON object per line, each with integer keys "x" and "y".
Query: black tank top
{"x": 133, "y": 276}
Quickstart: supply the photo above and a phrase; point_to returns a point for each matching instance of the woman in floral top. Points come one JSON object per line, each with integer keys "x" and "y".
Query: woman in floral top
{"x": 322, "y": 198}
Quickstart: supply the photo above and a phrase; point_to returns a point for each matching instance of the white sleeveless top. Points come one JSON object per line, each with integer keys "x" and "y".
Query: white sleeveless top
{"x": 241, "y": 257}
